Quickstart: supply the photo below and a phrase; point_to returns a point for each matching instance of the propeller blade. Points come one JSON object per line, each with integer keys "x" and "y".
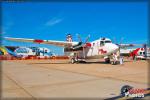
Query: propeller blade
{"x": 87, "y": 39}
{"x": 121, "y": 40}
{"x": 79, "y": 38}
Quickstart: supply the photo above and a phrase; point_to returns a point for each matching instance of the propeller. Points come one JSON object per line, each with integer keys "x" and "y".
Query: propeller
{"x": 87, "y": 39}
{"x": 82, "y": 44}
{"x": 120, "y": 42}
{"x": 79, "y": 38}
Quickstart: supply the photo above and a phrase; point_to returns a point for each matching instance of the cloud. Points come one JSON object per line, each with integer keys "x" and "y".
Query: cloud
{"x": 53, "y": 21}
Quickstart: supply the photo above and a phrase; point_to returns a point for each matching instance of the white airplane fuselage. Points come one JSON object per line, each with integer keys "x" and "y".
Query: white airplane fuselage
{"x": 96, "y": 49}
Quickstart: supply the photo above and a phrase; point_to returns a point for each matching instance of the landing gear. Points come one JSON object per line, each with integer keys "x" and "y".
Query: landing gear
{"x": 75, "y": 58}
{"x": 115, "y": 59}
{"x": 73, "y": 61}
{"x": 107, "y": 60}
{"x": 114, "y": 62}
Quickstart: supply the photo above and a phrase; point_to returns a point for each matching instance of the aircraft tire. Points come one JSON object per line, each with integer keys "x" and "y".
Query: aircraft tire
{"x": 107, "y": 60}
{"x": 112, "y": 62}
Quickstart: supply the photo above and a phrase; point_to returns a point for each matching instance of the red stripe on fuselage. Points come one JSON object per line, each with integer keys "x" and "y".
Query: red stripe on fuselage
{"x": 38, "y": 41}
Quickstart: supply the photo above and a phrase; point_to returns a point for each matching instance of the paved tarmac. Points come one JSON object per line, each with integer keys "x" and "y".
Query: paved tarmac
{"x": 57, "y": 79}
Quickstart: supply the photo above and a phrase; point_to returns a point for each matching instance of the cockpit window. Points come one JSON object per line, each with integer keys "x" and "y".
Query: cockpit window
{"x": 101, "y": 43}
{"x": 107, "y": 41}
{"x": 93, "y": 44}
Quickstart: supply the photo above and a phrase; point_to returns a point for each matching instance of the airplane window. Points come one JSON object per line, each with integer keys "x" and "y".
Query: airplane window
{"x": 107, "y": 41}
{"x": 140, "y": 53}
{"x": 93, "y": 44}
{"x": 101, "y": 43}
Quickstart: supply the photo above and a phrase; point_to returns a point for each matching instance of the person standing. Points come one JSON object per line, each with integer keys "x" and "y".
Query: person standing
{"x": 121, "y": 60}
{"x": 115, "y": 58}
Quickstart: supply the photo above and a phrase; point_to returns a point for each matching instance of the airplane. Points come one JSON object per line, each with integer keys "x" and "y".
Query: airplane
{"x": 81, "y": 51}
{"x": 141, "y": 53}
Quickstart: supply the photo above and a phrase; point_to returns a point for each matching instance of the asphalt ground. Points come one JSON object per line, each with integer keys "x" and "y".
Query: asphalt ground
{"x": 56, "y": 79}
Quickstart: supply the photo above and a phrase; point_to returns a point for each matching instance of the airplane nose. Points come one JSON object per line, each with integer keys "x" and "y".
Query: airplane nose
{"x": 114, "y": 47}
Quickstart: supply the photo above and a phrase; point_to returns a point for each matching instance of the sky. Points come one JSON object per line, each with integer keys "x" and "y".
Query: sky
{"x": 120, "y": 21}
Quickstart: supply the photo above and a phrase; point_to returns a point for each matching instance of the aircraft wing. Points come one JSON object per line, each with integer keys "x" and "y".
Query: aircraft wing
{"x": 125, "y": 45}
{"x": 130, "y": 45}
{"x": 50, "y": 42}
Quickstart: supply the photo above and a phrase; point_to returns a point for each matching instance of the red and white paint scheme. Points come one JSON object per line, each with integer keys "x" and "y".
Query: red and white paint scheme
{"x": 141, "y": 53}
{"x": 97, "y": 49}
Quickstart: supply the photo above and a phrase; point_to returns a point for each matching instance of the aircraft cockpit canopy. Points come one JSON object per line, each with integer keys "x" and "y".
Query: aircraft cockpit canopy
{"x": 103, "y": 41}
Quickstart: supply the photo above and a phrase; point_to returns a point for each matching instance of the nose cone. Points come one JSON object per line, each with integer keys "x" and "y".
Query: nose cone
{"x": 112, "y": 48}
{"x": 115, "y": 47}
